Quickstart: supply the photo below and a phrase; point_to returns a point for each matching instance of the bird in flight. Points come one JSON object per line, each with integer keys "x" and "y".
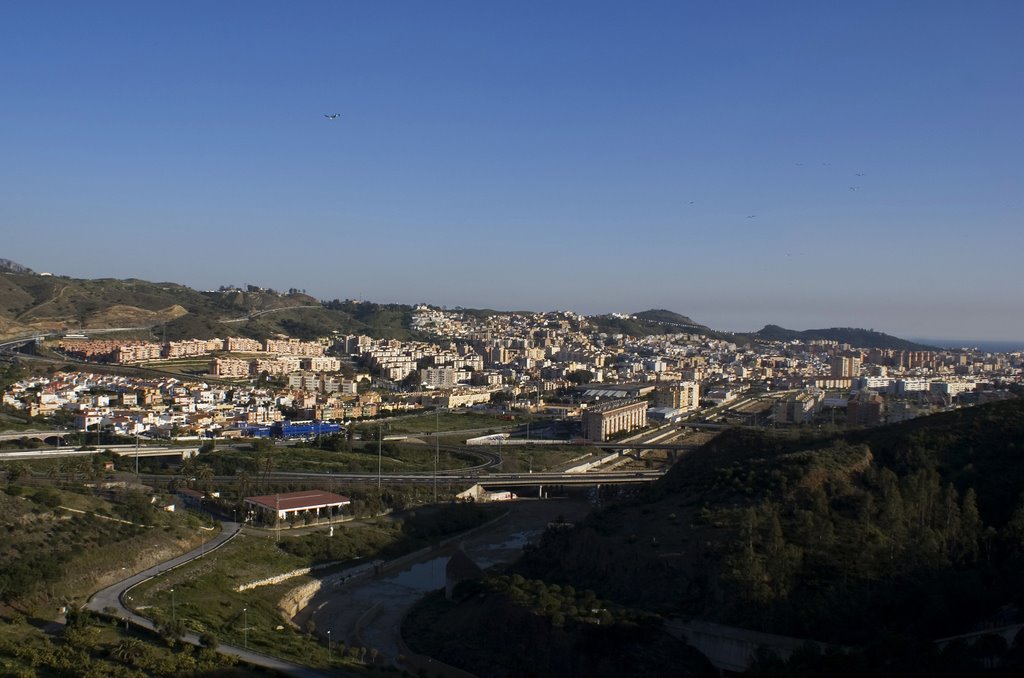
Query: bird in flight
{"x": 860, "y": 174}
{"x": 331, "y": 116}
{"x": 751, "y": 216}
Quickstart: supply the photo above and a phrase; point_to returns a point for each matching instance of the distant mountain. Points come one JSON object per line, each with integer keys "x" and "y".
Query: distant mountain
{"x": 8, "y": 266}
{"x": 856, "y": 337}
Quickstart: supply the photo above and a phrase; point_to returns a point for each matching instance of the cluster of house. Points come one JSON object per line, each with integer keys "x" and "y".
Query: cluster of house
{"x": 524, "y": 360}
{"x": 129, "y": 352}
{"x": 170, "y": 406}
{"x": 540, "y": 352}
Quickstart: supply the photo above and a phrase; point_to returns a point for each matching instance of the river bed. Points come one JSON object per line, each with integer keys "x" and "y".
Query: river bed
{"x": 368, "y": 612}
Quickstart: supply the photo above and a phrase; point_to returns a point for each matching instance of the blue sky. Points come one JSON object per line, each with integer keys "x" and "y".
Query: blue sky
{"x": 807, "y": 164}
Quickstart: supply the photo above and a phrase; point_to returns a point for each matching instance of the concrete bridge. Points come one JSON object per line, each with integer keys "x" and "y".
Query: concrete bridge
{"x": 730, "y": 648}
{"x": 119, "y": 450}
{"x": 49, "y": 437}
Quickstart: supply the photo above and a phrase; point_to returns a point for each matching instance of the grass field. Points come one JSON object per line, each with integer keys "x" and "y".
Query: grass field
{"x": 443, "y": 421}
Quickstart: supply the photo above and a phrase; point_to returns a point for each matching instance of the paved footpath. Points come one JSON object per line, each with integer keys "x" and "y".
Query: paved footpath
{"x": 113, "y": 597}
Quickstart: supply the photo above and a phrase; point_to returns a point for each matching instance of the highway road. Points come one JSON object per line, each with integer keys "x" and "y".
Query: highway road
{"x": 490, "y": 479}
{"x": 124, "y": 451}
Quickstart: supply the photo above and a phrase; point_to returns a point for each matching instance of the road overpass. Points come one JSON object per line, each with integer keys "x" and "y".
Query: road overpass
{"x": 119, "y": 450}
{"x": 37, "y": 435}
{"x": 447, "y": 477}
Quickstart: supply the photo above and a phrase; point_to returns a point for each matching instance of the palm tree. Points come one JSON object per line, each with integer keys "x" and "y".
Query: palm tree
{"x": 264, "y": 465}
{"x": 244, "y": 480}
{"x": 188, "y": 471}
{"x": 204, "y": 475}
{"x": 128, "y": 650}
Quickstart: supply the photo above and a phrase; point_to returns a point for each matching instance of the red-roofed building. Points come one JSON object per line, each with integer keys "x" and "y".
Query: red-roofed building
{"x": 307, "y": 502}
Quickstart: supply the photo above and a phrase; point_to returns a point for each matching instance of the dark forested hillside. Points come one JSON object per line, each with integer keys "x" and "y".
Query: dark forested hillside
{"x": 510, "y": 626}
{"x": 914, "y": 531}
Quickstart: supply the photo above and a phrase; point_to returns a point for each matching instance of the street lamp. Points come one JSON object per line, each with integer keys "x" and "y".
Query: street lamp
{"x": 174, "y": 617}
{"x": 329, "y": 645}
{"x": 245, "y": 627}
{"x": 380, "y": 438}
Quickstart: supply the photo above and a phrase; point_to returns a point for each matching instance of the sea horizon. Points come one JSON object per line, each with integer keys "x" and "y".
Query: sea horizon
{"x": 1000, "y": 346}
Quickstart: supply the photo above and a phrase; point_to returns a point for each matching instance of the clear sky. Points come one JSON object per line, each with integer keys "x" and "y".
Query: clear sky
{"x": 808, "y": 164}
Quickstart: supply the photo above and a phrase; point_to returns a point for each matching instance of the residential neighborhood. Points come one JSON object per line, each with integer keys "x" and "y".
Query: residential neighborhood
{"x": 554, "y": 363}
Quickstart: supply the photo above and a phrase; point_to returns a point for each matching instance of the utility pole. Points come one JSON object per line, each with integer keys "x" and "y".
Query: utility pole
{"x": 380, "y": 438}
{"x": 437, "y": 447}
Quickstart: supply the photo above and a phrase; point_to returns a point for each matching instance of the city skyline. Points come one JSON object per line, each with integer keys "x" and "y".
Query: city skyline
{"x": 800, "y": 165}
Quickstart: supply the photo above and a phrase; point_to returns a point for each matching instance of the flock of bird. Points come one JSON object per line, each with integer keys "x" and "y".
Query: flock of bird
{"x": 799, "y": 164}
{"x": 335, "y": 116}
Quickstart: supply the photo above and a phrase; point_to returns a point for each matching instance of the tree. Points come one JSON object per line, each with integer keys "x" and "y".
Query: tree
{"x": 172, "y": 631}
{"x": 188, "y": 470}
{"x": 411, "y": 380}
{"x": 579, "y": 377}
{"x": 264, "y": 467}
{"x": 970, "y": 528}
{"x": 128, "y": 651}
{"x": 244, "y": 479}
{"x": 17, "y": 472}
{"x": 204, "y": 477}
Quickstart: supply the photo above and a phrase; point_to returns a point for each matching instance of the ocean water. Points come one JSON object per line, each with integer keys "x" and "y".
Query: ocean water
{"x": 989, "y": 346}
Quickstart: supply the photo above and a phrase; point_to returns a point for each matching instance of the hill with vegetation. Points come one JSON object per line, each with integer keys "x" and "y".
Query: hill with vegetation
{"x": 32, "y": 303}
{"x": 880, "y": 541}
{"x": 656, "y": 321}
{"x": 856, "y": 337}
{"x": 664, "y": 317}
{"x": 8, "y": 266}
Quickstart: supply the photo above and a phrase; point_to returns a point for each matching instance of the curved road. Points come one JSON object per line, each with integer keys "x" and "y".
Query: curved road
{"x": 113, "y": 597}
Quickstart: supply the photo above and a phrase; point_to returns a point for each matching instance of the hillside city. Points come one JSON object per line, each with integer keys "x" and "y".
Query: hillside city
{"x": 554, "y": 363}
{"x": 547, "y": 465}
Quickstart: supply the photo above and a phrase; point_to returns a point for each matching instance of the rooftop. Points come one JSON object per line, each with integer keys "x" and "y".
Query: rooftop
{"x": 307, "y": 499}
